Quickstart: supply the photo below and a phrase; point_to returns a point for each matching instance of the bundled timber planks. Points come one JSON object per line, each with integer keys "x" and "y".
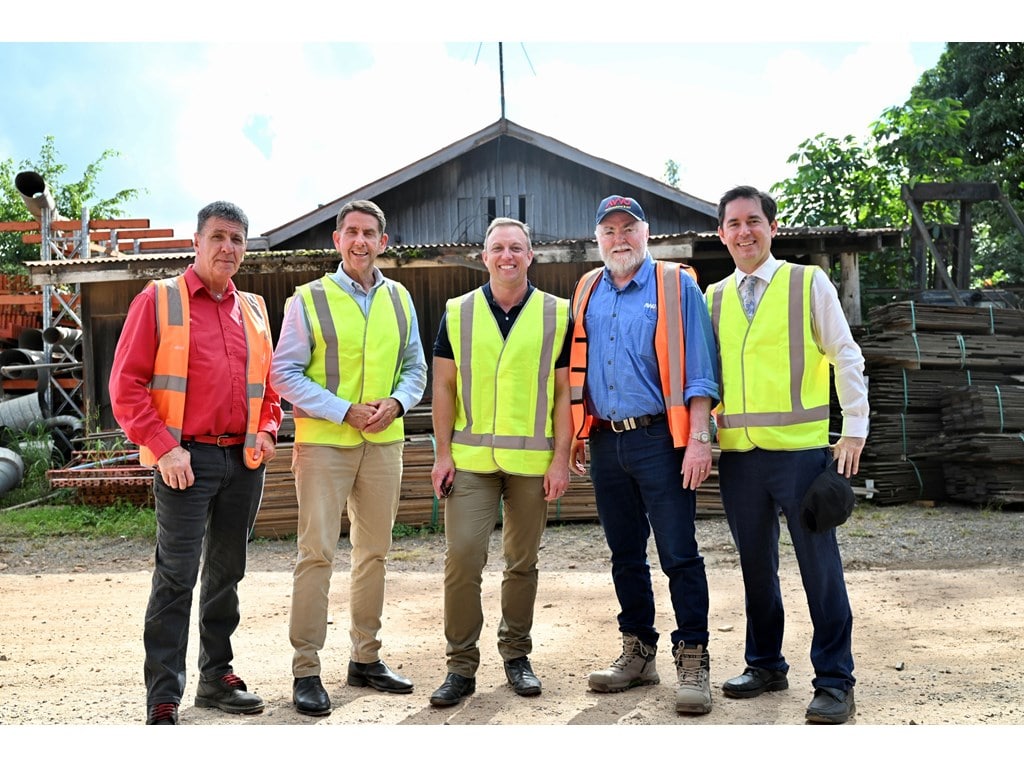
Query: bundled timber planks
{"x": 941, "y": 380}
{"x": 991, "y": 408}
{"x": 986, "y": 485}
{"x": 894, "y": 389}
{"x": 898, "y": 480}
{"x": 278, "y": 516}
{"x": 914, "y": 316}
{"x": 1002, "y": 353}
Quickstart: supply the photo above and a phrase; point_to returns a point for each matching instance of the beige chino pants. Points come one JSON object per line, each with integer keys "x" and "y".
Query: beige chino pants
{"x": 368, "y": 477}
{"x": 470, "y": 516}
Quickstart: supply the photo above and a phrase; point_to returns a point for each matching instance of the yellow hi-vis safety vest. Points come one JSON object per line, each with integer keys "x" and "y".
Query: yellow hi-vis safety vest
{"x": 170, "y": 369}
{"x": 355, "y": 356}
{"x": 669, "y": 348}
{"x": 775, "y": 380}
{"x": 505, "y": 388}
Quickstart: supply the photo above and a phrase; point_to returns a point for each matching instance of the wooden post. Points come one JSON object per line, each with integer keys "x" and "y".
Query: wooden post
{"x": 849, "y": 287}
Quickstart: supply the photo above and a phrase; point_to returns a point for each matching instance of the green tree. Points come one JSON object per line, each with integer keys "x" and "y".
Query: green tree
{"x": 856, "y": 184}
{"x": 671, "y": 173}
{"x": 988, "y": 80}
{"x": 69, "y": 196}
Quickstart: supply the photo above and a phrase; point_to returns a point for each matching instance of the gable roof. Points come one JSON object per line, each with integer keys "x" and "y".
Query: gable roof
{"x": 492, "y": 132}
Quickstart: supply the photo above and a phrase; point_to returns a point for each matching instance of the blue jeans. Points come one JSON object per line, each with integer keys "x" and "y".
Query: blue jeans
{"x": 639, "y": 489}
{"x": 211, "y": 521}
{"x": 756, "y": 485}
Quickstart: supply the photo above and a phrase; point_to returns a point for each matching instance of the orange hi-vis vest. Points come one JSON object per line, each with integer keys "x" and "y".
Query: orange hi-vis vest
{"x": 669, "y": 348}
{"x": 170, "y": 369}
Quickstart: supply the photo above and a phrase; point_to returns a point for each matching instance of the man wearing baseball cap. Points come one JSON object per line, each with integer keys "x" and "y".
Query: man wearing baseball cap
{"x": 643, "y": 379}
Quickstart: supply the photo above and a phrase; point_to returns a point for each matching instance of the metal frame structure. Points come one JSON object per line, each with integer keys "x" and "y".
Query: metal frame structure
{"x": 56, "y": 245}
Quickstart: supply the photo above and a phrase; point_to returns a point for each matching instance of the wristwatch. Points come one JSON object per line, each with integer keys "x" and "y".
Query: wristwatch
{"x": 701, "y": 437}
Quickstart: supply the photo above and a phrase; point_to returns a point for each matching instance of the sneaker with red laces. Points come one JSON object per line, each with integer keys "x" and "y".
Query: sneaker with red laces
{"x": 165, "y": 713}
{"x": 228, "y": 694}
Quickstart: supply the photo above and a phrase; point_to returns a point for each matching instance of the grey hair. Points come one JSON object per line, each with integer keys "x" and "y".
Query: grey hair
{"x": 223, "y": 210}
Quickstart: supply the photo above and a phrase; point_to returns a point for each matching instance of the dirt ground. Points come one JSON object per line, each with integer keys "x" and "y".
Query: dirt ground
{"x": 938, "y": 637}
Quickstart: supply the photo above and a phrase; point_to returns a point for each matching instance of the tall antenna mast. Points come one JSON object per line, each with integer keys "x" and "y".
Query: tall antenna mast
{"x": 501, "y": 75}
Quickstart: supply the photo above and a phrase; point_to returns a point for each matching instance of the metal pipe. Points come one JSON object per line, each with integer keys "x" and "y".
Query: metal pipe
{"x": 59, "y": 336}
{"x": 107, "y": 462}
{"x": 37, "y": 196}
{"x": 22, "y": 362}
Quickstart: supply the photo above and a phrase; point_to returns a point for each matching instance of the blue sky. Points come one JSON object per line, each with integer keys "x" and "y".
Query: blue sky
{"x": 282, "y": 125}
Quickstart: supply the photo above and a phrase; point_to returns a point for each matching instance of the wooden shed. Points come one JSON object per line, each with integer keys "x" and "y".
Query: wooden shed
{"x": 503, "y": 170}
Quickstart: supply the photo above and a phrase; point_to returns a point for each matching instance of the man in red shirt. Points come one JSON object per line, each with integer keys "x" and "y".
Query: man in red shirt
{"x": 189, "y": 385}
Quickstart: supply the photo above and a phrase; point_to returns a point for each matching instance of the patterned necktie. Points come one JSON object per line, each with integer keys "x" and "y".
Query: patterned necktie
{"x": 747, "y": 294}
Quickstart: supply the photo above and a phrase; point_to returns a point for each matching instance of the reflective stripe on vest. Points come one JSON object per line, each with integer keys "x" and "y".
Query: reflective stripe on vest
{"x": 170, "y": 368}
{"x": 763, "y": 405}
{"x": 355, "y": 356}
{"x": 669, "y": 346}
{"x": 505, "y": 387}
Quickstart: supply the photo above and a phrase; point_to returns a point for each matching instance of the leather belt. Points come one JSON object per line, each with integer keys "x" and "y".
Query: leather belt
{"x": 222, "y": 441}
{"x": 627, "y": 425}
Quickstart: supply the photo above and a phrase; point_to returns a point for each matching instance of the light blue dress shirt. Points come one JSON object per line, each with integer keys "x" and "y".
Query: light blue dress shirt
{"x": 622, "y": 370}
{"x": 294, "y": 351}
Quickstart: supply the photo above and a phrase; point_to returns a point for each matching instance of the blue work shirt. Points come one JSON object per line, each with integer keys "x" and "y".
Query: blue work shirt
{"x": 622, "y": 369}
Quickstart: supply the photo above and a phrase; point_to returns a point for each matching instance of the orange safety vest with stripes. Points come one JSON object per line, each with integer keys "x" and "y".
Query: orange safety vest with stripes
{"x": 170, "y": 369}
{"x": 669, "y": 348}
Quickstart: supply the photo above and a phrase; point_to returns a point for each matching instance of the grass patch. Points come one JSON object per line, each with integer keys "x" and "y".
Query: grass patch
{"x": 118, "y": 520}
{"x": 404, "y": 531}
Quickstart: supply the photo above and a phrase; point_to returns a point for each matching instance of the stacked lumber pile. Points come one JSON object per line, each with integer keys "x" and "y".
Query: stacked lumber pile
{"x": 947, "y": 405}
{"x": 278, "y": 515}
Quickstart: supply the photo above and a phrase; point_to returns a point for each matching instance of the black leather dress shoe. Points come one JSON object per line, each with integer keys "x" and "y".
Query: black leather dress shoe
{"x": 521, "y": 678}
{"x": 309, "y": 696}
{"x": 228, "y": 694}
{"x": 453, "y": 690}
{"x": 376, "y": 674}
{"x": 831, "y": 706}
{"x": 753, "y": 682}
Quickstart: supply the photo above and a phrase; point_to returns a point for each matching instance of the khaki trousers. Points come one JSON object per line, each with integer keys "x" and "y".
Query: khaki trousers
{"x": 368, "y": 477}
{"x": 470, "y": 516}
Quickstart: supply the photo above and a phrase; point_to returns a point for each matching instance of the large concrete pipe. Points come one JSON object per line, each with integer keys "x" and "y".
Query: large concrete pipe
{"x": 20, "y": 413}
{"x": 12, "y": 470}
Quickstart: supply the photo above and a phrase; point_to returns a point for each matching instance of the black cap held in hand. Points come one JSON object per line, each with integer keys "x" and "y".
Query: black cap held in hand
{"x": 828, "y": 502}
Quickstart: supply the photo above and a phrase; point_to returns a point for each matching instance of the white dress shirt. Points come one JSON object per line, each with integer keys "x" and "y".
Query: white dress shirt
{"x": 832, "y": 334}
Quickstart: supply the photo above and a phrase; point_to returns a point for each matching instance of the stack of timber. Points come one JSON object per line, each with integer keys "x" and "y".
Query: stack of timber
{"x": 103, "y": 478}
{"x": 418, "y": 507}
{"x": 944, "y": 387}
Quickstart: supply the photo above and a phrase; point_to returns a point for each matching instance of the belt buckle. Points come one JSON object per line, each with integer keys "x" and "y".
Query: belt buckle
{"x": 219, "y": 444}
{"x": 626, "y": 425}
